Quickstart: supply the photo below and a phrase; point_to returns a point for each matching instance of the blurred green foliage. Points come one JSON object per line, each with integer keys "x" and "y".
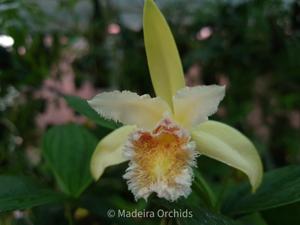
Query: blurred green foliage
{"x": 252, "y": 46}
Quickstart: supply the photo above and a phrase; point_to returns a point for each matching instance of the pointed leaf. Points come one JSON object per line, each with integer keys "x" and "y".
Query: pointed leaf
{"x": 68, "y": 150}
{"x": 279, "y": 187}
{"x": 22, "y": 193}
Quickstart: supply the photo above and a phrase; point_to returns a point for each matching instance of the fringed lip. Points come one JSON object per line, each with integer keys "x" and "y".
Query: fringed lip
{"x": 161, "y": 161}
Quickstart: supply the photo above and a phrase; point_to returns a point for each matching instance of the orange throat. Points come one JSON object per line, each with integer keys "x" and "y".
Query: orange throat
{"x": 161, "y": 161}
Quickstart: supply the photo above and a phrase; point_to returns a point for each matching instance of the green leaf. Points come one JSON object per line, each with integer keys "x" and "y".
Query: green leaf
{"x": 251, "y": 219}
{"x": 162, "y": 54}
{"x": 187, "y": 213}
{"x": 288, "y": 214}
{"x": 68, "y": 150}
{"x": 81, "y": 106}
{"x": 203, "y": 189}
{"x": 279, "y": 187}
{"x": 205, "y": 217}
{"x": 21, "y": 193}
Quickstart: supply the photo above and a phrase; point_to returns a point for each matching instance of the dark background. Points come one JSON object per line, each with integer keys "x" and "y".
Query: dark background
{"x": 82, "y": 47}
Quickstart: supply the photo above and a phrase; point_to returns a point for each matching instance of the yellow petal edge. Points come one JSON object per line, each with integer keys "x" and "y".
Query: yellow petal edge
{"x": 226, "y": 144}
{"x": 109, "y": 150}
{"x": 162, "y": 54}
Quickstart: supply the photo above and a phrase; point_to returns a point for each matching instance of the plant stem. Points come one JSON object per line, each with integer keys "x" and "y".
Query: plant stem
{"x": 205, "y": 190}
{"x": 68, "y": 213}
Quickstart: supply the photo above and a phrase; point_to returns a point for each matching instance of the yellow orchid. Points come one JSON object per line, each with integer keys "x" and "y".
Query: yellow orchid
{"x": 162, "y": 136}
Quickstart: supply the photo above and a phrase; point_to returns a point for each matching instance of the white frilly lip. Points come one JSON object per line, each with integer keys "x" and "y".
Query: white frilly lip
{"x": 180, "y": 184}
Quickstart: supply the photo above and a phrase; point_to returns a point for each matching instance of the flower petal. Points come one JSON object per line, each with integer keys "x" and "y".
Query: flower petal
{"x": 109, "y": 150}
{"x": 226, "y": 144}
{"x": 129, "y": 108}
{"x": 193, "y": 105}
{"x": 162, "y": 54}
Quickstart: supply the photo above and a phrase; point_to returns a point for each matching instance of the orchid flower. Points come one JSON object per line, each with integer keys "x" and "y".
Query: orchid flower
{"x": 162, "y": 136}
